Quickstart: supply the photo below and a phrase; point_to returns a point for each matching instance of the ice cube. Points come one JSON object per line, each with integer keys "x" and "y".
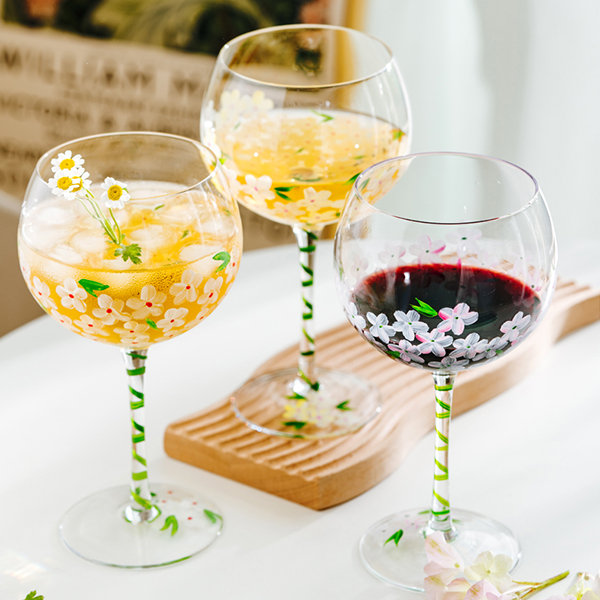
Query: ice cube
{"x": 197, "y": 251}
{"x": 43, "y": 237}
{"x": 177, "y": 214}
{"x": 151, "y": 237}
{"x": 53, "y": 213}
{"x": 88, "y": 242}
{"x": 65, "y": 254}
{"x": 116, "y": 264}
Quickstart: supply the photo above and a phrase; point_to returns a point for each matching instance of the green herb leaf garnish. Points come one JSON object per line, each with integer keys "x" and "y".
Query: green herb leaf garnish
{"x": 131, "y": 252}
{"x": 344, "y": 405}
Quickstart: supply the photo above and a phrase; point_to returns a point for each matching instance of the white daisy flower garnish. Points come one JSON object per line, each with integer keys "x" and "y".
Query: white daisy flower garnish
{"x": 115, "y": 193}
{"x": 65, "y": 183}
{"x": 65, "y": 161}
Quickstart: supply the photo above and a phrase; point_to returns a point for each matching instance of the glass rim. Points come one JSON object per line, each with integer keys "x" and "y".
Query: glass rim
{"x": 214, "y": 168}
{"x": 491, "y": 159}
{"x": 304, "y": 26}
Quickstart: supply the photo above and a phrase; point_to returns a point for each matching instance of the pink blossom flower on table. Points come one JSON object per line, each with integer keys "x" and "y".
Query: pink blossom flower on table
{"x": 90, "y": 326}
{"x": 41, "y": 291}
{"x": 585, "y": 587}
{"x": 444, "y": 563}
{"x": 457, "y": 318}
{"x": 465, "y": 240}
{"x": 485, "y": 590}
{"x": 449, "y": 362}
{"x": 408, "y": 353}
{"x": 133, "y": 333}
{"x": 447, "y": 577}
{"x": 258, "y": 188}
{"x": 380, "y": 327}
{"x": 71, "y": 295}
{"x": 436, "y": 588}
{"x": 512, "y": 329}
{"x": 433, "y": 341}
{"x": 109, "y": 310}
{"x": 492, "y": 568}
{"x": 187, "y": 289}
{"x": 174, "y": 317}
{"x": 357, "y": 320}
{"x": 409, "y": 324}
{"x": 469, "y": 347}
{"x": 211, "y": 291}
{"x": 149, "y": 304}
{"x": 426, "y": 249}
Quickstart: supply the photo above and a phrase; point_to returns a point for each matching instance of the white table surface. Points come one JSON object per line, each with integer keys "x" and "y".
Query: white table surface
{"x": 528, "y": 458}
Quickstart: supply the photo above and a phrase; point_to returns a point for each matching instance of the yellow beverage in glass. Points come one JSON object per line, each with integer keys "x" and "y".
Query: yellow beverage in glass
{"x": 297, "y": 166}
{"x": 189, "y": 260}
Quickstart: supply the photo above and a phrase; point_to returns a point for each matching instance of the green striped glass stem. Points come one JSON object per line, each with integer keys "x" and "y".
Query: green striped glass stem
{"x": 441, "y": 519}
{"x": 141, "y": 507}
{"x": 307, "y": 244}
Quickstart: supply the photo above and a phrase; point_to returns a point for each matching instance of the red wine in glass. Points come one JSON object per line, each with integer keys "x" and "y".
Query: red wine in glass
{"x": 444, "y": 315}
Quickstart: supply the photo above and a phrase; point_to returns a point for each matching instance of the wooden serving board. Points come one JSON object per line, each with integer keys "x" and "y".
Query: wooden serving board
{"x": 323, "y": 473}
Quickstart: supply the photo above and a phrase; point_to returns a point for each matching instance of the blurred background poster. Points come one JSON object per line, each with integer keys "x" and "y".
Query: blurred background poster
{"x": 70, "y": 68}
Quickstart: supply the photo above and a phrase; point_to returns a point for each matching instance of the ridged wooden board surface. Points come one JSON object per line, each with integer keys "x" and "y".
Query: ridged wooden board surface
{"x": 323, "y": 473}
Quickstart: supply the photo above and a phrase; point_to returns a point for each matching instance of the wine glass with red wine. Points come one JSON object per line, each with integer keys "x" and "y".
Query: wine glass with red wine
{"x": 445, "y": 262}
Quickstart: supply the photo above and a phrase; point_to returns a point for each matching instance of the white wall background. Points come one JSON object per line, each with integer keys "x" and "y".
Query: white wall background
{"x": 516, "y": 79}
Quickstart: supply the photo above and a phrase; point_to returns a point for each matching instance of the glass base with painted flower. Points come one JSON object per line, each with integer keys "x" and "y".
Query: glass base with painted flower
{"x": 446, "y": 262}
{"x": 131, "y": 250}
{"x": 297, "y": 112}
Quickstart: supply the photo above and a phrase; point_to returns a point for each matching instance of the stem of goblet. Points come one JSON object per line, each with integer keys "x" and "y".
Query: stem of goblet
{"x": 307, "y": 244}
{"x": 441, "y": 519}
{"x": 141, "y": 507}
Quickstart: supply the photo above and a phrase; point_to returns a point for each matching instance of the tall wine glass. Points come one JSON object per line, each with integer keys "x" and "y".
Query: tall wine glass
{"x": 445, "y": 262}
{"x": 132, "y": 239}
{"x": 297, "y": 112}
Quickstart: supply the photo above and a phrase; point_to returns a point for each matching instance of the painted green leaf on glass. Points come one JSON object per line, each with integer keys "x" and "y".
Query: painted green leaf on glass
{"x": 224, "y": 257}
{"x": 91, "y": 287}
{"x": 213, "y": 517}
{"x": 424, "y": 308}
{"x": 395, "y": 537}
{"x": 171, "y": 521}
{"x": 324, "y": 116}
{"x": 295, "y": 424}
